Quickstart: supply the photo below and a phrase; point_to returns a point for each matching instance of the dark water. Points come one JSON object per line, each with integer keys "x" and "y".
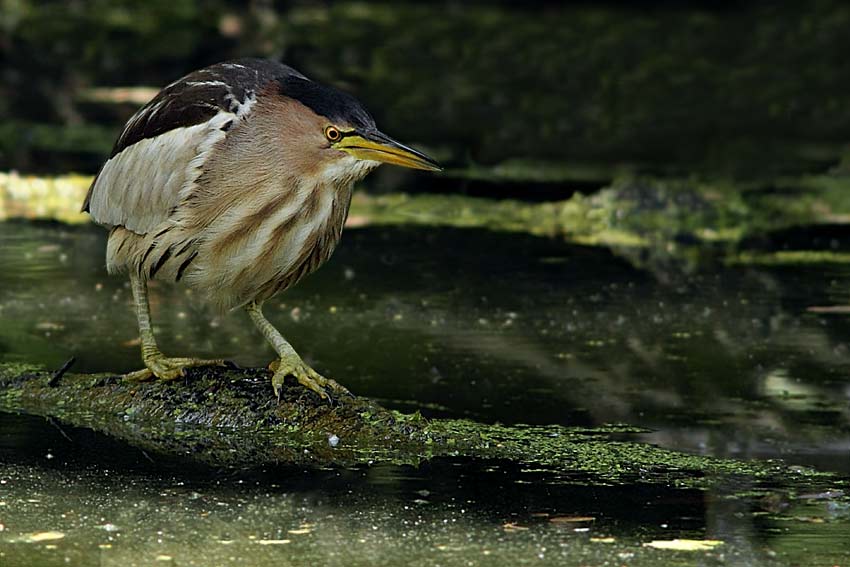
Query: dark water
{"x": 496, "y": 327}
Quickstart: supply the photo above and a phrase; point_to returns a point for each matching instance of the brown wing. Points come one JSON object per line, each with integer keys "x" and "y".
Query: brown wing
{"x": 161, "y": 151}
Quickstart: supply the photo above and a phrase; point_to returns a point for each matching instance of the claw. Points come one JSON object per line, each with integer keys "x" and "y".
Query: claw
{"x": 306, "y": 376}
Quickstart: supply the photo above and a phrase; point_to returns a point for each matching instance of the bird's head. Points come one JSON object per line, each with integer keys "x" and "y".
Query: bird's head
{"x": 342, "y": 135}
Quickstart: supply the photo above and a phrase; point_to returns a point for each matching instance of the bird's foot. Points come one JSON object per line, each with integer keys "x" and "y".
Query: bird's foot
{"x": 306, "y": 376}
{"x": 165, "y": 368}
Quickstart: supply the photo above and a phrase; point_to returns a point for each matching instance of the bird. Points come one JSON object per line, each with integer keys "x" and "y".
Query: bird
{"x": 235, "y": 180}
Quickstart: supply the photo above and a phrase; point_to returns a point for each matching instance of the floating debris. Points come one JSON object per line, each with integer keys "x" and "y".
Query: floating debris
{"x": 37, "y": 537}
{"x": 571, "y": 519}
{"x": 685, "y": 544}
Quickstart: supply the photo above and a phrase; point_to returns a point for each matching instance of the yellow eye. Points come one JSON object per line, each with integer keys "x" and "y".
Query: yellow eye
{"x": 332, "y": 134}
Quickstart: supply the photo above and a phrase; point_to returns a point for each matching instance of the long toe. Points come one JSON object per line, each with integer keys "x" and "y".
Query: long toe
{"x": 310, "y": 379}
{"x": 164, "y": 368}
{"x": 337, "y": 388}
{"x": 139, "y": 375}
{"x": 306, "y": 376}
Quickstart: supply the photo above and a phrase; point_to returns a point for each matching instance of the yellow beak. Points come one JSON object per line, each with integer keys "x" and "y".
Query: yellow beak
{"x": 376, "y": 146}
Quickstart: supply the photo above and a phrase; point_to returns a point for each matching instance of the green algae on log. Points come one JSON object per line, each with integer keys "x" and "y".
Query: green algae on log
{"x": 229, "y": 418}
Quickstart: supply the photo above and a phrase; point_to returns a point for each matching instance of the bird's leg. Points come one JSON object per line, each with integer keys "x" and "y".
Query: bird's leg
{"x": 289, "y": 363}
{"x": 157, "y": 365}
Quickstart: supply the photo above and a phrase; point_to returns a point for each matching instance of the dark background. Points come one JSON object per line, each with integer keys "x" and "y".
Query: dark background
{"x": 555, "y": 93}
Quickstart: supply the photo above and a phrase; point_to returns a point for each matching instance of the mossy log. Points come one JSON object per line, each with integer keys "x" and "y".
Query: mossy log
{"x": 230, "y": 418}
{"x": 218, "y": 416}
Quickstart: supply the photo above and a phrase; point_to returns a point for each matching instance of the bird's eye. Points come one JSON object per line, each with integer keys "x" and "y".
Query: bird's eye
{"x": 332, "y": 134}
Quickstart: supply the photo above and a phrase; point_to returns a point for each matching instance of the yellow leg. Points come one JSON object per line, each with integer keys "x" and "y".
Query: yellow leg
{"x": 289, "y": 363}
{"x": 157, "y": 365}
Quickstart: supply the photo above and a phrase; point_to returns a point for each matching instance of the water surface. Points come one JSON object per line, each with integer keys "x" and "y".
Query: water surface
{"x": 498, "y": 327}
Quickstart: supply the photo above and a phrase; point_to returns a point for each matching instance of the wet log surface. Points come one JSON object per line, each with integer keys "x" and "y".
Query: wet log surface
{"x": 230, "y": 418}
{"x": 221, "y": 417}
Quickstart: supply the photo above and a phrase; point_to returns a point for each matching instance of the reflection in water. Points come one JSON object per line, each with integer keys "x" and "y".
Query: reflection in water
{"x": 131, "y": 511}
{"x": 497, "y": 326}
{"x": 500, "y": 327}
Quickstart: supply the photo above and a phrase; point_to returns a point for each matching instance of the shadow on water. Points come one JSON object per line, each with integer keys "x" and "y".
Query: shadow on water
{"x": 451, "y": 322}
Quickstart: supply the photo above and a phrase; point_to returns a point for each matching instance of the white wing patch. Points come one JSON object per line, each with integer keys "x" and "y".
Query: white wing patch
{"x": 139, "y": 187}
{"x": 163, "y": 149}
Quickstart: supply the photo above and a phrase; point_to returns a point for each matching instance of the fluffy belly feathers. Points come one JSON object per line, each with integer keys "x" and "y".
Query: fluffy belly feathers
{"x": 247, "y": 253}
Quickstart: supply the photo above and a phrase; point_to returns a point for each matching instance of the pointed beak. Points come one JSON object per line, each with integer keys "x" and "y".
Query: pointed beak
{"x": 376, "y": 146}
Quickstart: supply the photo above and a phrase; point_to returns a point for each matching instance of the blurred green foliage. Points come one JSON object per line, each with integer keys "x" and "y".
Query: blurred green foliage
{"x": 746, "y": 88}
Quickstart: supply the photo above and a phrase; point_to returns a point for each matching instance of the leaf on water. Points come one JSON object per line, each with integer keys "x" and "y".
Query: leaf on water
{"x": 512, "y": 527}
{"x": 603, "y": 539}
{"x": 684, "y": 544}
{"x": 43, "y": 536}
{"x": 300, "y": 531}
{"x": 273, "y": 541}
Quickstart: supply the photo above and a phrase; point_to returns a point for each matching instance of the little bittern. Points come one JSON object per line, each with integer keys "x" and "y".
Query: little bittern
{"x": 236, "y": 181}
